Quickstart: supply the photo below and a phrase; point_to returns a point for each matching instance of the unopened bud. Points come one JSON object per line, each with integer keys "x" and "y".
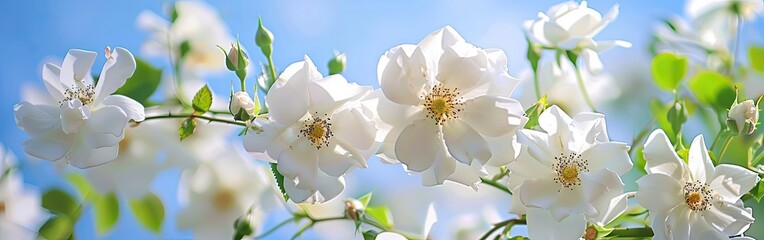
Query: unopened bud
{"x": 337, "y": 64}
{"x": 743, "y": 116}
{"x": 264, "y": 38}
{"x": 244, "y": 226}
{"x": 241, "y": 107}
{"x": 354, "y": 209}
{"x": 236, "y": 58}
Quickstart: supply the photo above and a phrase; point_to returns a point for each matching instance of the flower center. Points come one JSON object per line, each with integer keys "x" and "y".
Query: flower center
{"x": 223, "y": 200}
{"x": 697, "y": 195}
{"x": 318, "y": 130}
{"x": 443, "y": 103}
{"x": 85, "y": 94}
{"x": 568, "y": 169}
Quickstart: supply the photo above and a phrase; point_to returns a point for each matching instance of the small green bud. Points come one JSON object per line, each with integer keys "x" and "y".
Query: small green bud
{"x": 243, "y": 226}
{"x": 337, "y": 64}
{"x": 677, "y": 116}
{"x": 742, "y": 117}
{"x": 264, "y": 38}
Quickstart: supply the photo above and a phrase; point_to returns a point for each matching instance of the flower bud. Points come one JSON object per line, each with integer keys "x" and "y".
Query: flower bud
{"x": 354, "y": 209}
{"x": 244, "y": 226}
{"x": 743, "y": 116}
{"x": 337, "y": 64}
{"x": 241, "y": 107}
{"x": 264, "y": 38}
{"x": 234, "y": 62}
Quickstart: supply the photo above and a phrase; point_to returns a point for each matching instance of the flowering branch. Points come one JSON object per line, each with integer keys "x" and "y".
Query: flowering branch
{"x": 506, "y": 224}
{"x": 193, "y": 115}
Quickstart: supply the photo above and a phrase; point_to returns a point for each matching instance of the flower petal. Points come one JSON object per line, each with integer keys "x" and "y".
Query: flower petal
{"x": 117, "y": 69}
{"x": 555, "y": 121}
{"x": 83, "y": 156}
{"x": 330, "y": 92}
{"x": 538, "y": 145}
{"x": 442, "y": 168}
{"x": 659, "y": 225}
{"x": 732, "y": 181}
{"x": 352, "y": 127}
{"x": 732, "y": 219}
{"x": 541, "y": 225}
{"x": 554, "y": 33}
{"x": 660, "y": 156}
{"x": 699, "y": 162}
{"x": 418, "y": 144}
{"x": 597, "y": 184}
{"x": 540, "y": 193}
{"x": 133, "y": 109}
{"x": 73, "y": 115}
{"x": 678, "y": 222}
{"x": 402, "y": 74}
{"x": 105, "y": 128}
{"x": 493, "y": 116}
{"x": 461, "y": 67}
{"x": 331, "y": 162}
{"x": 659, "y": 192}
{"x": 37, "y": 119}
{"x": 76, "y": 66}
{"x": 300, "y": 162}
{"x": 608, "y": 209}
{"x": 608, "y": 155}
{"x": 434, "y": 44}
{"x": 464, "y": 143}
{"x": 50, "y": 75}
{"x": 592, "y": 60}
{"x": 51, "y": 147}
{"x": 288, "y": 98}
{"x": 605, "y": 45}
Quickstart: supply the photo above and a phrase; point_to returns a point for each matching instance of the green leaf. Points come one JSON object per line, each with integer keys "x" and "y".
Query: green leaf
{"x": 534, "y": 112}
{"x": 82, "y": 185}
{"x": 185, "y": 47}
{"x": 758, "y": 191}
{"x": 279, "y": 180}
{"x": 668, "y": 70}
{"x": 713, "y": 89}
{"x": 149, "y": 211}
{"x": 202, "y": 100}
{"x": 143, "y": 83}
{"x": 187, "y": 128}
{"x": 381, "y": 214}
{"x": 533, "y": 55}
{"x": 756, "y": 56}
{"x": 365, "y": 199}
{"x": 106, "y": 212}
{"x": 639, "y": 159}
{"x": 61, "y": 203}
{"x": 58, "y": 227}
{"x": 258, "y": 107}
{"x": 370, "y": 235}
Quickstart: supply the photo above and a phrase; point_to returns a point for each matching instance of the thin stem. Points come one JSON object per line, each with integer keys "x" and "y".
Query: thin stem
{"x": 757, "y": 159}
{"x": 581, "y": 86}
{"x": 274, "y": 228}
{"x": 632, "y": 232}
{"x": 724, "y": 148}
{"x": 495, "y": 184}
{"x": 504, "y": 224}
{"x": 363, "y": 220}
{"x": 272, "y": 71}
{"x": 716, "y": 139}
{"x": 641, "y": 135}
{"x": 536, "y": 84}
{"x": 192, "y": 115}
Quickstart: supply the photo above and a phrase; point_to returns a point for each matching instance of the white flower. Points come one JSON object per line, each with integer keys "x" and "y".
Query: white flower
{"x": 317, "y": 131}
{"x": 430, "y": 219}
{"x": 743, "y": 116}
{"x": 572, "y": 26}
{"x": 221, "y": 190}
{"x": 241, "y": 107}
{"x": 568, "y": 175}
{"x": 704, "y": 44}
{"x": 693, "y": 198}
{"x": 449, "y": 99}
{"x": 707, "y": 11}
{"x": 197, "y": 24}
{"x": 20, "y": 209}
{"x": 87, "y": 125}
{"x": 559, "y": 86}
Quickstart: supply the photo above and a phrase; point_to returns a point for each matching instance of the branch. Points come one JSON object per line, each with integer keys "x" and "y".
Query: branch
{"x": 495, "y": 184}
{"x": 193, "y": 115}
{"x": 505, "y": 224}
{"x": 632, "y": 232}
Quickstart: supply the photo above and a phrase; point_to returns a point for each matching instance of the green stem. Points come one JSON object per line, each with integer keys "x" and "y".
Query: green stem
{"x": 536, "y": 84}
{"x": 272, "y": 72}
{"x": 495, "y": 184}
{"x": 641, "y": 135}
{"x": 716, "y": 139}
{"x": 192, "y": 115}
{"x": 504, "y": 224}
{"x": 724, "y": 148}
{"x": 581, "y": 86}
{"x": 274, "y": 228}
{"x": 757, "y": 159}
{"x": 632, "y": 232}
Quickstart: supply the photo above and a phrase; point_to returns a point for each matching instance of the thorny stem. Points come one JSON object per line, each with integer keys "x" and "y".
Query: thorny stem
{"x": 193, "y": 115}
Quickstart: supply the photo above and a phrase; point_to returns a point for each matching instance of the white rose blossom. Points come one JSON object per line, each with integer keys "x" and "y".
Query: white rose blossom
{"x": 241, "y": 106}
{"x": 449, "y": 108}
{"x": 222, "y": 189}
{"x": 572, "y": 26}
{"x": 568, "y": 175}
{"x": 743, "y": 117}
{"x": 87, "y": 125}
{"x": 693, "y": 200}
{"x": 726, "y": 11}
{"x": 197, "y": 24}
{"x": 316, "y": 132}
{"x": 20, "y": 210}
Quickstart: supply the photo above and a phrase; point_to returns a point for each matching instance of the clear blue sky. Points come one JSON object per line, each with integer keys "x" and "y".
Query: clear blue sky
{"x": 32, "y": 31}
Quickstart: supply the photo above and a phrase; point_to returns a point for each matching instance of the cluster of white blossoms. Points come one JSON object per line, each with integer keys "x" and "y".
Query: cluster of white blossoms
{"x": 443, "y": 111}
{"x": 87, "y": 124}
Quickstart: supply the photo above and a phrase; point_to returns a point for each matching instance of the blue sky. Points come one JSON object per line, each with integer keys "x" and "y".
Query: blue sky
{"x": 33, "y": 31}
